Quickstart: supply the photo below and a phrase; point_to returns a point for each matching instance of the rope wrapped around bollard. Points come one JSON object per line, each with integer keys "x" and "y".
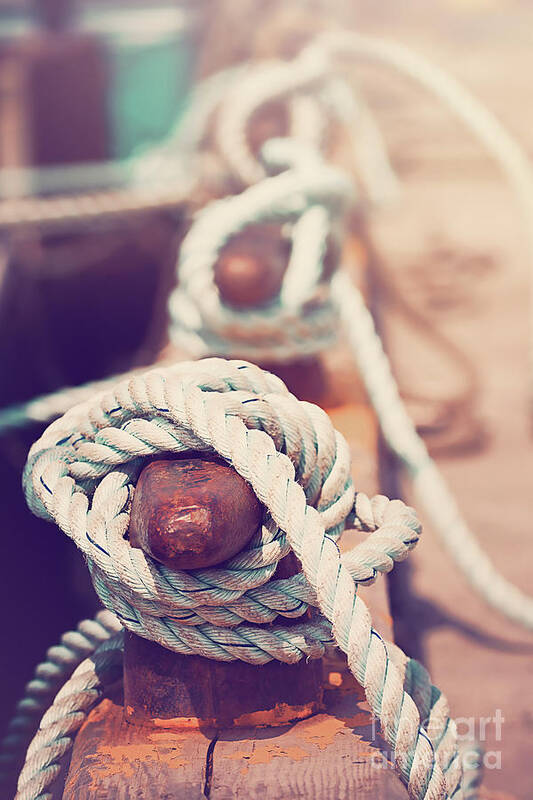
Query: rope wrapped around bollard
{"x": 82, "y": 473}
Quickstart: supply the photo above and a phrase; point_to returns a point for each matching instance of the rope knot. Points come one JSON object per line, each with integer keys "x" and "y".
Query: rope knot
{"x": 83, "y": 471}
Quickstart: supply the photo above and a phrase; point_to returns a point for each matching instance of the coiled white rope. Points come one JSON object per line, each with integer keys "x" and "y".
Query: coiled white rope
{"x": 166, "y": 177}
{"x": 44, "y": 757}
{"x": 310, "y": 84}
{"x": 345, "y": 304}
{"x": 203, "y": 325}
{"x": 81, "y": 474}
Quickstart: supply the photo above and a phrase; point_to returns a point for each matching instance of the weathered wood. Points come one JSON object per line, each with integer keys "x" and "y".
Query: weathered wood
{"x": 330, "y": 756}
{"x": 336, "y": 755}
{"x": 113, "y": 760}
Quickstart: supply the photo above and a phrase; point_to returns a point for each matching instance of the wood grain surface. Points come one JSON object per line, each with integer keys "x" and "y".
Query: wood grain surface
{"x": 335, "y": 755}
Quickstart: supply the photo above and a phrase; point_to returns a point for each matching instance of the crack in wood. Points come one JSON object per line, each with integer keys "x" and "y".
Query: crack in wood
{"x": 210, "y": 755}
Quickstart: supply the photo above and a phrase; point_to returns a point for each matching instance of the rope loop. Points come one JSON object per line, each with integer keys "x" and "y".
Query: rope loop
{"x": 309, "y": 197}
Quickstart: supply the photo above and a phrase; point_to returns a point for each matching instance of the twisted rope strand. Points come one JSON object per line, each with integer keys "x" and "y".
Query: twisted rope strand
{"x": 309, "y": 80}
{"x": 161, "y": 177}
{"x": 65, "y": 716}
{"x": 61, "y": 661}
{"x": 301, "y": 322}
{"x": 86, "y": 468}
{"x": 505, "y": 150}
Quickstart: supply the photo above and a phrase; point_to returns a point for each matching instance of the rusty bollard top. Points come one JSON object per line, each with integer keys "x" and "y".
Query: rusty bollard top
{"x": 250, "y": 270}
{"x": 192, "y": 512}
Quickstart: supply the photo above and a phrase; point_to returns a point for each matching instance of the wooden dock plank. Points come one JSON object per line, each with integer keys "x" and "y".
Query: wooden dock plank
{"x": 113, "y": 760}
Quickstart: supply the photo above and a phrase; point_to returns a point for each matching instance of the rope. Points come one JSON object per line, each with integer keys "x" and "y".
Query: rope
{"x": 285, "y": 329}
{"x": 505, "y": 150}
{"x": 48, "y": 407}
{"x": 316, "y": 65}
{"x": 160, "y": 177}
{"x": 58, "y": 727}
{"x": 337, "y": 102}
{"x": 431, "y": 489}
{"x": 49, "y": 676}
{"x": 81, "y": 474}
{"x": 311, "y": 86}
